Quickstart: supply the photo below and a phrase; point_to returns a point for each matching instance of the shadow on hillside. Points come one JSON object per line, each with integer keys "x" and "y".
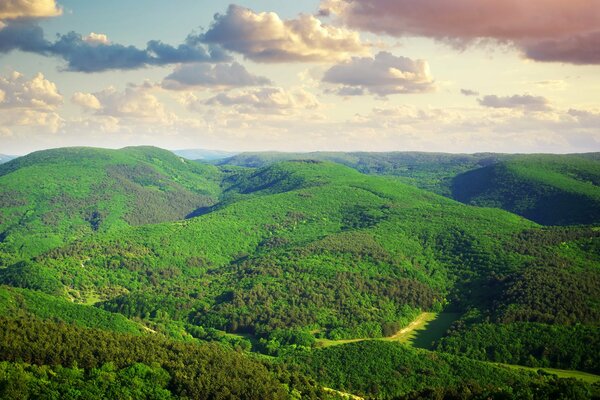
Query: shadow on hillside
{"x": 434, "y": 330}
{"x": 200, "y": 211}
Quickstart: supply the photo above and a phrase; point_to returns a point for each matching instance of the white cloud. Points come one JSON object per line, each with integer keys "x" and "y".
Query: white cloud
{"x": 267, "y": 100}
{"x": 189, "y": 76}
{"x": 13, "y": 9}
{"x": 265, "y": 37}
{"x": 382, "y": 75}
{"x": 36, "y": 93}
{"x": 86, "y": 100}
{"x": 96, "y": 38}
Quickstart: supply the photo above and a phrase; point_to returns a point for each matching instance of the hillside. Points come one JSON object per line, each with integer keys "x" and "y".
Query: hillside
{"x": 430, "y": 171}
{"x": 279, "y": 257}
{"x": 548, "y": 189}
{"x": 51, "y": 197}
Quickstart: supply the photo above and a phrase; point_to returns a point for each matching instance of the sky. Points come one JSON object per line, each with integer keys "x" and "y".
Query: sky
{"x": 459, "y": 76}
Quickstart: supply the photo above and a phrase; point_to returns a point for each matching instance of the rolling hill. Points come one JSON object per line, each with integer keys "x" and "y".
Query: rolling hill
{"x": 51, "y": 197}
{"x": 271, "y": 259}
{"x": 548, "y": 189}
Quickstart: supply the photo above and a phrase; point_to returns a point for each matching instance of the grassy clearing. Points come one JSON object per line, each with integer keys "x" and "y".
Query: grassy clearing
{"x": 427, "y": 328}
{"x": 421, "y": 332}
{"x": 561, "y": 373}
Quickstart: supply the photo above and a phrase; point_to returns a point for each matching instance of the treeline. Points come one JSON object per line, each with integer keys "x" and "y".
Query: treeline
{"x": 196, "y": 371}
{"x": 531, "y": 344}
{"x": 20, "y": 381}
{"x": 385, "y": 370}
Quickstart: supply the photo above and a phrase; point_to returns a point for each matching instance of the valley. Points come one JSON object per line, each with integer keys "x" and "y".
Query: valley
{"x": 393, "y": 275}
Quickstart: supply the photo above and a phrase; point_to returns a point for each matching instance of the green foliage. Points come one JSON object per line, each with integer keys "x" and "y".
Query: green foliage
{"x": 138, "y": 381}
{"x": 548, "y": 189}
{"x": 27, "y": 275}
{"x": 270, "y": 258}
{"x": 531, "y": 344}
{"x": 196, "y": 371}
{"x": 52, "y": 197}
{"x": 15, "y": 301}
{"x": 386, "y": 370}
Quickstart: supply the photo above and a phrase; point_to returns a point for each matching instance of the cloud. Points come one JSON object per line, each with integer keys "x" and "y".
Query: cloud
{"x": 546, "y": 30}
{"x": 524, "y": 102}
{"x": 86, "y": 100}
{"x": 266, "y": 100}
{"x": 97, "y": 38}
{"x": 381, "y": 75}
{"x": 216, "y": 76}
{"x": 94, "y": 53}
{"x": 29, "y": 102}
{"x": 17, "y": 9}
{"x": 133, "y": 102}
{"x": 36, "y": 93}
{"x": 264, "y": 37}
{"x": 578, "y": 49}
{"x": 469, "y": 92}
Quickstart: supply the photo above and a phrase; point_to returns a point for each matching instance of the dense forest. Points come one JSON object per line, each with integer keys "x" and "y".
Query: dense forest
{"x": 136, "y": 271}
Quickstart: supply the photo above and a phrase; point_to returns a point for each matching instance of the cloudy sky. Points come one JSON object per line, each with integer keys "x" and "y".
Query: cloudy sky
{"x": 375, "y": 75}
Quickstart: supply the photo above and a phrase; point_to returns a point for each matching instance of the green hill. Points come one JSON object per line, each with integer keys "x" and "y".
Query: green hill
{"x": 548, "y": 189}
{"x": 430, "y": 171}
{"x": 52, "y": 197}
{"x": 281, "y": 255}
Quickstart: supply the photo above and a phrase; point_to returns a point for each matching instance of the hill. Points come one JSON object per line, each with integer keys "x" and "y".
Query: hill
{"x": 430, "y": 171}
{"x": 283, "y": 255}
{"x": 51, "y": 197}
{"x": 548, "y": 189}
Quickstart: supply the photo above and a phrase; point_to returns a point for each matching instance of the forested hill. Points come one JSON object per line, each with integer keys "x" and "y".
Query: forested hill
{"x": 431, "y": 171}
{"x": 138, "y": 258}
{"x": 50, "y": 197}
{"x": 548, "y": 189}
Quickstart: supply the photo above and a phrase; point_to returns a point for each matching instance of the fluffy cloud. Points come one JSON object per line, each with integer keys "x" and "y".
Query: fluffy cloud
{"x": 37, "y": 93}
{"x": 13, "y": 9}
{"x": 134, "y": 103}
{"x": 86, "y": 100}
{"x": 217, "y": 76}
{"x": 382, "y": 75}
{"x": 264, "y": 37}
{"x": 29, "y": 102}
{"x": 98, "y": 38}
{"x": 94, "y": 53}
{"x": 266, "y": 100}
{"x": 546, "y": 30}
{"x": 523, "y": 102}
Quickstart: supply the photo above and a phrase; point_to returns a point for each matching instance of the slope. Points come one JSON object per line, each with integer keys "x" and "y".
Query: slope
{"x": 548, "y": 189}
{"x": 430, "y": 171}
{"x": 316, "y": 244}
{"x": 51, "y": 197}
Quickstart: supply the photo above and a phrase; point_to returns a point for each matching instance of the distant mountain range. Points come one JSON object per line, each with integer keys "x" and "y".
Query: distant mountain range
{"x": 204, "y": 155}
{"x": 5, "y": 158}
